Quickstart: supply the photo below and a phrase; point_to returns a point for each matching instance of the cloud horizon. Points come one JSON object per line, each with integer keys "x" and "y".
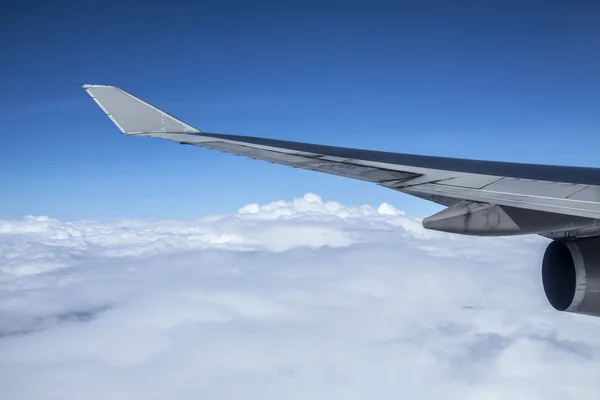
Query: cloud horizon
{"x": 292, "y": 299}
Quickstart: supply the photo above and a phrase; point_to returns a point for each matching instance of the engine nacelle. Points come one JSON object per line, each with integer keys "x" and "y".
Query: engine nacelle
{"x": 571, "y": 275}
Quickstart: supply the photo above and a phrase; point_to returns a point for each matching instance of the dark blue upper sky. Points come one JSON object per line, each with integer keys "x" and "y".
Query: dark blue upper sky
{"x": 503, "y": 80}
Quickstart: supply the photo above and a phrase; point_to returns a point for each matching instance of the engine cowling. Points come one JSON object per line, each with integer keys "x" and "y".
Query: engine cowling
{"x": 571, "y": 275}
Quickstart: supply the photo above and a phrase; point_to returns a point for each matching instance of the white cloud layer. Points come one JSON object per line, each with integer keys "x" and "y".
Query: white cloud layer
{"x": 291, "y": 300}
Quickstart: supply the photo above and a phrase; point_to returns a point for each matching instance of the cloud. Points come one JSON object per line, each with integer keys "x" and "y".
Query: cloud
{"x": 293, "y": 299}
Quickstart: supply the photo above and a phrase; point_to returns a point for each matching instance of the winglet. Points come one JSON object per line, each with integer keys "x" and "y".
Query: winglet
{"x": 133, "y": 115}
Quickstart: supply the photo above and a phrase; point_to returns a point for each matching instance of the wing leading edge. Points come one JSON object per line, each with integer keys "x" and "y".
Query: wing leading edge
{"x": 484, "y": 197}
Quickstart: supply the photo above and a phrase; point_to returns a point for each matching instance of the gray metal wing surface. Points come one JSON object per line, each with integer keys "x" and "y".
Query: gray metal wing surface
{"x": 484, "y": 198}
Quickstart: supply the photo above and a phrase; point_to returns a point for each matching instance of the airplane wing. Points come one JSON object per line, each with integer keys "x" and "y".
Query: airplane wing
{"x": 484, "y": 198}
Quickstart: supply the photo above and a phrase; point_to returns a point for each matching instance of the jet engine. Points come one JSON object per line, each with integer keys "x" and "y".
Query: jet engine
{"x": 571, "y": 275}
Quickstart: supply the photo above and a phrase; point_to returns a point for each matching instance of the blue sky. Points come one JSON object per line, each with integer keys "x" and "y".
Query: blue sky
{"x": 502, "y": 80}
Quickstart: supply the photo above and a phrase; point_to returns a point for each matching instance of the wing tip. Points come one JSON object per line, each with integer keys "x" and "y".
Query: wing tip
{"x": 89, "y": 86}
{"x": 111, "y": 100}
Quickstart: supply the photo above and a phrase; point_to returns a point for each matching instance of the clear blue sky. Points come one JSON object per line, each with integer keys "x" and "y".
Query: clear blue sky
{"x": 502, "y": 80}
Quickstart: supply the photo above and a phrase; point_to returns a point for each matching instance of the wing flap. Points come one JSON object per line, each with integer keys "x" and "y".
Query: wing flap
{"x": 314, "y": 162}
{"x": 552, "y": 204}
{"x": 533, "y": 188}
